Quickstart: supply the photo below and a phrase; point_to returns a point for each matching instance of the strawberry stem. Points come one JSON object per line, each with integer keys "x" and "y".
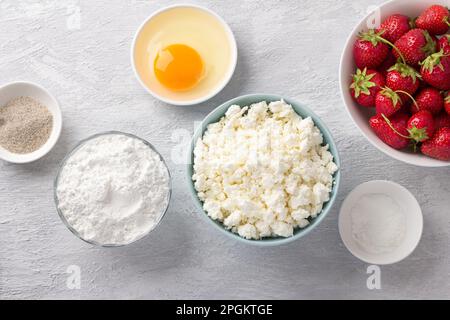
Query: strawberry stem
{"x": 411, "y": 97}
{"x": 392, "y": 127}
{"x": 393, "y": 46}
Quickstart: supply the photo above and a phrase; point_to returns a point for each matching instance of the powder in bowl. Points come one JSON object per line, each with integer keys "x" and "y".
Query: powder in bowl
{"x": 25, "y": 125}
{"x": 378, "y": 223}
{"x": 113, "y": 189}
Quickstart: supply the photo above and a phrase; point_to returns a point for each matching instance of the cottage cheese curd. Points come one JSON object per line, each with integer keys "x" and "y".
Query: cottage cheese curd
{"x": 262, "y": 170}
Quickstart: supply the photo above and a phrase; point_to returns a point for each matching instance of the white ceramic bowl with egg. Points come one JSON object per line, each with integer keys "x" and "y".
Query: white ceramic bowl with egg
{"x": 189, "y": 25}
{"x": 35, "y": 91}
{"x": 361, "y": 115}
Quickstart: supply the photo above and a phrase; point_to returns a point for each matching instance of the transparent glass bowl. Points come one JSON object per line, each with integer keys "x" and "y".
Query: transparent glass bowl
{"x": 74, "y": 150}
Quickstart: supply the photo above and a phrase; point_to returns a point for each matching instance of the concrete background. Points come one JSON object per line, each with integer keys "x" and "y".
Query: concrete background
{"x": 285, "y": 47}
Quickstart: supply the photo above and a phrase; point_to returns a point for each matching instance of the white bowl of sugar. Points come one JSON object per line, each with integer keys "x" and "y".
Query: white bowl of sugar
{"x": 380, "y": 222}
{"x": 30, "y": 122}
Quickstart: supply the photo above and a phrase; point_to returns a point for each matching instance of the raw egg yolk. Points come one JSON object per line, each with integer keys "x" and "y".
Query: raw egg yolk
{"x": 178, "y": 67}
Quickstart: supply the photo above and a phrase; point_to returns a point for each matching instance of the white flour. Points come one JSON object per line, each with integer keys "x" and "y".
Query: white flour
{"x": 378, "y": 223}
{"x": 113, "y": 190}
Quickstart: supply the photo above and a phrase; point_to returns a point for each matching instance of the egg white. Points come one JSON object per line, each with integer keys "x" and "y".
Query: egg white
{"x": 195, "y": 28}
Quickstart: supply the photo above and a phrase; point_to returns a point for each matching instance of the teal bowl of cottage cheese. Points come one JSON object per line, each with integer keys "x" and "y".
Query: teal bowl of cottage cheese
{"x": 263, "y": 169}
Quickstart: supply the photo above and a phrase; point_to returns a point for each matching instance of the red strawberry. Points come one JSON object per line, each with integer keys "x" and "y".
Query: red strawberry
{"x": 415, "y": 46}
{"x": 365, "y": 86}
{"x": 402, "y": 77}
{"x": 387, "y": 102}
{"x": 434, "y": 19}
{"x": 428, "y": 99}
{"x": 421, "y": 126}
{"x": 394, "y": 133}
{"x": 444, "y": 44}
{"x": 442, "y": 120}
{"x": 369, "y": 50}
{"x": 436, "y": 70}
{"x": 394, "y": 27}
{"x": 439, "y": 145}
{"x": 388, "y": 63}
{"x": 447, "y": 103}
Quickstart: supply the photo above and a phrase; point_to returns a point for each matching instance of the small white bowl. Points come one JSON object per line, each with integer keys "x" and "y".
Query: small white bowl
{"x": 227, "y": 76}
{"x": 29, "y": 89}
{"x": 411, "y": 208}
{"x": 361, "y": 115}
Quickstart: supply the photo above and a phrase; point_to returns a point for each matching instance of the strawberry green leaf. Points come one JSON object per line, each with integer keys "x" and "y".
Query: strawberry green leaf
{"x": 430, "y": 47}
{"x": 361, "y": 82}
{"x": 372, "y": 36}
{"x": 446, "y": 21}
{"x": 433, "y": 61}
{"x": 418, "y": 134}
{"x": 406, "y": 71}
{"x": 391, "y": 94}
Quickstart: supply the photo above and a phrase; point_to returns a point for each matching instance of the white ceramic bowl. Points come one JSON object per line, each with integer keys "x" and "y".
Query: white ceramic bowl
{"x": 214, "y": 91}
{"x": 361, "y": 115}
{"x": 29, "y": 89}
{"x": 409, "y": 205}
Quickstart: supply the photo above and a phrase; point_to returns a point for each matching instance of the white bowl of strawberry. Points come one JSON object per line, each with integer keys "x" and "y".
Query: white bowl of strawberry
{"x": 395, "y": 80}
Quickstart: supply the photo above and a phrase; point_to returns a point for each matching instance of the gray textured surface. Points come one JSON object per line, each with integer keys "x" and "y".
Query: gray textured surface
{"x": 286, "y": 47}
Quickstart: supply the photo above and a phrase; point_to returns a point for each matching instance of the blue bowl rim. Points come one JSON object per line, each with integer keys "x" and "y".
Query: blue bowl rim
{"x": 254, "y": 98}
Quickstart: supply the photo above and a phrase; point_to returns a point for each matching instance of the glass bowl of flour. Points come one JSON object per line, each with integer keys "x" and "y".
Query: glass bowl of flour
{"x": 112, "y": 189}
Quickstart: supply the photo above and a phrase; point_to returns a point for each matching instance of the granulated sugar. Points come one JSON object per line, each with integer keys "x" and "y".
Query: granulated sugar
{"x": 378, "y": 223}
{"x": 113, "y": 190}
{"x": 25, "y": 125}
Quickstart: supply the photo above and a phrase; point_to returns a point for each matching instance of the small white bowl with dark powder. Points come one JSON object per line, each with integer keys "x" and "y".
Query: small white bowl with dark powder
{"x": 30, "y": 122}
